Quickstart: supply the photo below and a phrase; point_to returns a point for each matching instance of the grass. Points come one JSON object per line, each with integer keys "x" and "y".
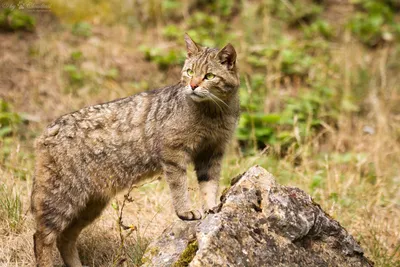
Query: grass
{"x": 319, "y": 109}
{"x": 10, "y": 208}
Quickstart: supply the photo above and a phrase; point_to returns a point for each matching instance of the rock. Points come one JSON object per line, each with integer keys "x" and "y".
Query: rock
{"x": 258, "y": 223}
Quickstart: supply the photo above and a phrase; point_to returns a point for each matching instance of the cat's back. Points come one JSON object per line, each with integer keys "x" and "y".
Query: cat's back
{"x": 97, "y": 123}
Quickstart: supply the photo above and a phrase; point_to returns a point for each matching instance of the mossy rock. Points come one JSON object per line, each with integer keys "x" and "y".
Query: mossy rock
{"x": 187, "y": 255}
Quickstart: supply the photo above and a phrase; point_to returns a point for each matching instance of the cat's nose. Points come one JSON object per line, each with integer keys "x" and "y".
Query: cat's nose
{"x": 195, "y": 82}
{"x": 194, "y": 86}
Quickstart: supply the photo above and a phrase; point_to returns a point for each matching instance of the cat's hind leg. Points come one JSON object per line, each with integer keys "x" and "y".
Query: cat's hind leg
{"x": 66, "y": 242}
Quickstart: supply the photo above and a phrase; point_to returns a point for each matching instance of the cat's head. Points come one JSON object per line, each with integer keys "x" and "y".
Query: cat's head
{"x": 209, "y": 74}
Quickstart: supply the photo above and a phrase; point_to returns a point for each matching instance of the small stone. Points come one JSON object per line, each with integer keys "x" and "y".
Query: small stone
{"x": 387, "y": 36}
{"x": 369, "y": 130}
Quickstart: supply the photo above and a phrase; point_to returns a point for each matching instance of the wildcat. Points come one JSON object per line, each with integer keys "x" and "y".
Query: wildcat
{"x": 85, "y": 157}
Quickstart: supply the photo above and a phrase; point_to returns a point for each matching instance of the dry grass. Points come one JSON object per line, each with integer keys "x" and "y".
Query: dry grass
{"x": 361, "y": 179}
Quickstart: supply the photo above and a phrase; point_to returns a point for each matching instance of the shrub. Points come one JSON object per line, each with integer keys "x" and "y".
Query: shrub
{"x": 374, "y": 23}
{"x": 15, "y": 20}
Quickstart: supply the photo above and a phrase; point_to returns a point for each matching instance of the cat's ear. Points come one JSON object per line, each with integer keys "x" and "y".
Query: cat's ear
{"x": 227, "y": 56}
{"x": 192, "y": 47}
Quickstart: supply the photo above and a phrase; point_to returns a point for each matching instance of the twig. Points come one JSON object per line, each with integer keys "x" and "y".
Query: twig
{"x": 122, "y": 227}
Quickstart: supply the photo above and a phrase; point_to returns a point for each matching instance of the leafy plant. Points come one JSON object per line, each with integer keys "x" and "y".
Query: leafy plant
{"x": 162, "y": 58}
{"x": 304, "y": 113}
{"x": 74, "y": 73}
{"x": 374, "y": 23}
{"x": 286, "y": 56}
{"x": 295, "y": 12}
{"x": 11, "y": 125}
{"x": 222, "y": 8}
{"x": 209, "y": 29}
{"x": 83, "y": 29}
{"x": 170, "y": 7}
{"x": 9, "y": 120}
{"x": 15, "y": 20}
{"x": 172, "y": 32}
{"x": 112, "y": 73}
{"x": 317, "y": 180}
{"x": 319, "y": 28}
{"x": 76, "y": 56}
{"x": 300, "y": 112}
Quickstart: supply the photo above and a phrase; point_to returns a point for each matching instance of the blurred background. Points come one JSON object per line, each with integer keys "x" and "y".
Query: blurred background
{"x": 320, "y": 101}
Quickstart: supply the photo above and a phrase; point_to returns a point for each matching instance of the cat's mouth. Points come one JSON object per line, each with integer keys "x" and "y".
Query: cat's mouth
{"x": 197, "y": 97}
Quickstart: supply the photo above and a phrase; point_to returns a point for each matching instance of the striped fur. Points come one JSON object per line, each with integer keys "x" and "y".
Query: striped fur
{"x": 84, "y": 158}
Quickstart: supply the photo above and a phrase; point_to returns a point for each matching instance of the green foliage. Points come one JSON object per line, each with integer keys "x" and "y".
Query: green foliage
{"x": 374, "y": 23}
{"x": 210, "y": 30}
{"x": 297, "y": 118}
{"x": 295, "y": 62}
{"x": 10, "y": 123}
{"x": 15, "y": 20}
{"x": 82, "y": 29}
{"x": 163, "y": 60}
{"x": 76, "y": 56}
{"x": 172, "y": 32}
{"x": 294, "y": 12}
{"x": 299, "y": 113}
{"x": 77, "y": 76}
{"x": 293, "y": 58}
{"x": 136, "y": 251}
{"x": 170, "y": 7}
{"x": 10, "y": 208}
{"x": 258, "y": 126}
{"x": 223, "y": 8}
{"x": 9, "y": 120}
{"x": 140, "y": 86}
{"x": 112, "y": 73}
{"x": 317, "y": 180}
{"x": 319, "y": 28}
{"x": 74, "y": 73}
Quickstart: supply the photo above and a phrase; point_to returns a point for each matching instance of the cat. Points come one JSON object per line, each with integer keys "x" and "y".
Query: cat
{"x": 85, "y": 157}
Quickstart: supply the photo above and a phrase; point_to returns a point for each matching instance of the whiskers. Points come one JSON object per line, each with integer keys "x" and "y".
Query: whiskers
{"x": 215, "y": 98}
{"x": 200, "y": 95}
{"x": 212, "y": 99}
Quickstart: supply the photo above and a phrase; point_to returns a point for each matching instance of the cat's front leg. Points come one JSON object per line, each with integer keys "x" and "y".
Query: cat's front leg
{"x": 175, "y": 173}
{"x": 208, "y": 168}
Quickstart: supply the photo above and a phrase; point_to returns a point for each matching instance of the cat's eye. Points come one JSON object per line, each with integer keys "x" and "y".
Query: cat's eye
{"x": 209, "y": 76}
{"x": 190, "y": 72}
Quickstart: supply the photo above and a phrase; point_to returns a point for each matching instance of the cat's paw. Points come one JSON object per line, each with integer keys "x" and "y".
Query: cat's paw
{"x": 189, "y": 215}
